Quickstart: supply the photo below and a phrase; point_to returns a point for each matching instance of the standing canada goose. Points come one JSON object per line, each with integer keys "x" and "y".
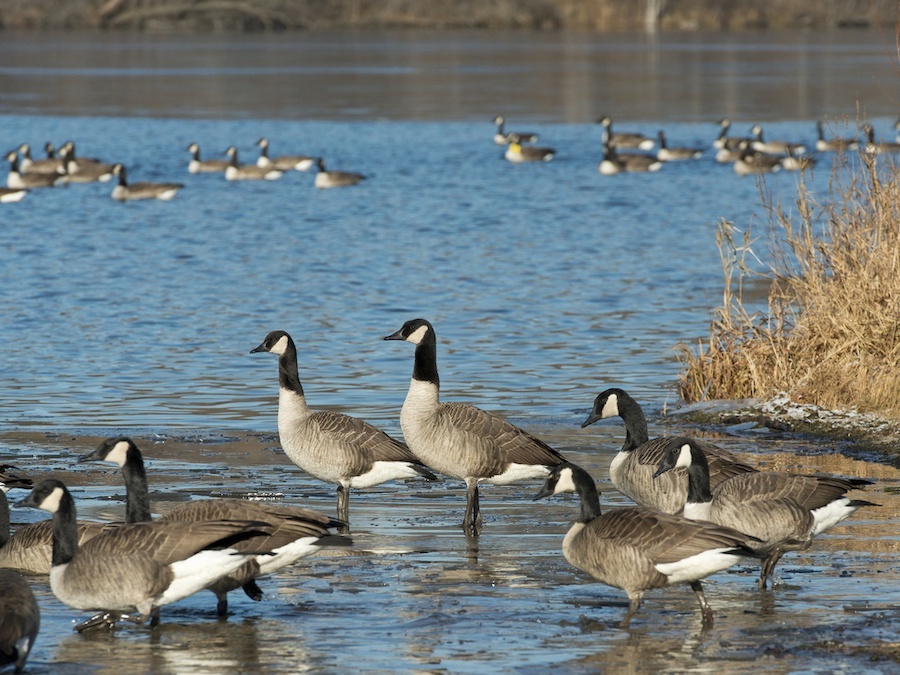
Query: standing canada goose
{"x": 331, "y": 446}
{"x": 667, "y": 154}
{"x": 77, "y": 171}
{"x": 502, "y": 138}
{"x": 138, "y": 567}
{"x": 460, "y": 440}
{"x": 10, "y": 195}
{"x": 784, "y": 511}
{"x": 284, "y": 162}
{"x": 518, "y": 153}
{"x": 631, "y": 471}
{"x": 29, "y": 165}
{"x": 29, "y": 549}
{"x": 125, "y": 191}
{"x": 197, "y": 165}
{"x": 835, "y": 144}
{"x": 637, "y": 549}
{"x": 874, "y": 147}
{"x": 16, "y": 180}
{"x": 333, "y": 179}
{"x": 774, "y": 147}
{"x": 236, "y": 171}
{"x": 750, "y": 162}
{"x": 20, "y": 619}
{"x": 614, "y": 162}
{"x": 296, "y": 532}
{"x": 621, "y": 139}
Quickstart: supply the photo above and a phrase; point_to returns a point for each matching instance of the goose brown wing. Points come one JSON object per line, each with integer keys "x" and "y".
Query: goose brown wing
{"x": 358, "y": 436}
{"x": 722, "y": 463}
{"x": 810, "y": 492}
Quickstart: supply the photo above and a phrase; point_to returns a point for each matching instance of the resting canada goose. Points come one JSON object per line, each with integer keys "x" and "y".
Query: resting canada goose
{"x": 83, "y": 172}
{"x": 502, "y": 138}
{"x": 637, "y": 549}
{"x": 296, "y": 532}
{"x": 874, "y": 147}
{"x": 460, "y": 440}
{"x": 10, "y": 195}
{"x": 667, "y": 154}
{"x": 29, "y": 165}
{"x": 773, "y": 147}
{"x": 126, "y": 192}
{"x": 284, "y": 162}
{"x": 20, "y": 619}
{"x": 621, "y": 139}
{"x": 138, "y": 567}
{"x": 236, "y": 171}
{"x": 331, "y": 446}
{"x": 29, "y": 548}
{"x": 751, "y": 162}
{"x": 333, "y": 179}
{"x": 631, "y": 471}
{"x": 17, "y": 180}
{"x": 784, "y": 511}
{"x": 197, "y": 165}
{"x": 614, "y": 162}
{"x": 834, "y": 144}
{"x": 518, "y": 153}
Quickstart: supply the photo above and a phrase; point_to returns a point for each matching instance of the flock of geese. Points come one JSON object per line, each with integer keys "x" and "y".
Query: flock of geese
{"x": 699, "y": 509}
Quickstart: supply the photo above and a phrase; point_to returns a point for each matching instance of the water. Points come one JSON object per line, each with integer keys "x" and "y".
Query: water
{"x": 545, "y": 284}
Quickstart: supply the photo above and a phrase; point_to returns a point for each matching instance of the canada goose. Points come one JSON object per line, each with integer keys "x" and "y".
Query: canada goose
{"x": 124, "y": 191}
{"x": 623, "y": 139}
{"x": 874, "y": 147}
{"x": 16, "y": 180}
{"x": 296, "y": 532}
{"x": 794, "y": 162}
{"x": 502, "y": 138}
{"x": 20, "y": 619}
{"x": 333, "y": 179}
{"x": 637, "y": 549}
{"x": 284, "y": 162}
{"x": 138, "y": 567}
{"x": 10, "y": 195}
{"x": 460, "y": 440}
{"x": 331, "y": 446}
{"x": 751, "y": 162}
{"x": 29, "y": 165}
{"x": 68, "y": 148}
{"x": 614, "y": 162}
{"x": 29, "y": 548}
{"x": 197, "y": 165}
{"x": 631, "y": 471}
{"x": 728, "y": 146}
{"x": 773, "y": 147}
{"x": 835, "y": 144}
{"x": 236, "y": 171}
{"x": 784, "y": 511}
{"x": 83, "y": 172}
{"x": 667, "y": 154}
{"x": 518, "y": 153}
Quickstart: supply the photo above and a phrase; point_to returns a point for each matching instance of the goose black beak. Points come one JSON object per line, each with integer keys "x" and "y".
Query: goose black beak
{"x": 395, "y": 336}
{"x": 546, "y": 491}
{"x": 590, "y": 420}
{"x": 260, "y": 348}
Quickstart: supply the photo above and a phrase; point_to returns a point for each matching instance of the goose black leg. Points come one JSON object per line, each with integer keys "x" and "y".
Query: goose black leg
{"x": 705, "y": 609}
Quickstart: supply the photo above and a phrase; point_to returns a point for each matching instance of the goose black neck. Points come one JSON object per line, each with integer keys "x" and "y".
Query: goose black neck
{"x": 587, "y": 492}
{"x": 137, "y": 498}
{"x": 636, "y": 433}
{"x": 122, "y": 180}
{"x": 65, "y": 531}
{"x": 4, "y": 519}
{"x": 698, "y": 478}
{"x": 425, "y": 362}
{"x": 288, "y": 373}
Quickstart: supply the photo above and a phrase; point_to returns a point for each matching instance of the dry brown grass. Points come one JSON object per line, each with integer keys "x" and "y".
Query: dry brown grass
{"x": 831, "y": 332}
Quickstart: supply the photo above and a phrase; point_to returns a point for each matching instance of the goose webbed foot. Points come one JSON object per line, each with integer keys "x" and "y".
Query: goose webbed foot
{"x": 705, "y": 609}
{"x": 101, "y": 620}
{"x": 252, "y": 590}
{"x": 472, "y": 521}
{"x": 632, "y": 608}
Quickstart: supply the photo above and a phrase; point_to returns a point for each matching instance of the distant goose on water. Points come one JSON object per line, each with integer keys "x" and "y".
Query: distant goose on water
{"x": 18, "y": 181}
{"x": 30, "y": 165}
{"x": 460, "y": 440}
{"x": 197, "y": 165}
{"x": 835, "y": 143}
{"x": 517, "y": 153}
{"x": 332, "y": 179}
{"x": 125, "y": 191}
{"x": 760, "y": 144}
{"x": 237, "y": 171}
{"x": 501, "y": 137}
{"x": 623, "y": 139}
{"x": 283, "y": 162}
{"x": 667, "y": 154}
{"x": 615, "y": 162}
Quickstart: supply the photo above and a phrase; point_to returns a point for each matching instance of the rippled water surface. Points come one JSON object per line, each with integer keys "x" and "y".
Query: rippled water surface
{"x": 545, "y": 284}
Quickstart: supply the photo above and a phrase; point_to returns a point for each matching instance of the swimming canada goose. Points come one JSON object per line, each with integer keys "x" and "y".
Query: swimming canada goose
{"x": 631, "y": 470}
{"x": 332, "y": 446}
{"x": 784, "y": 511}
{"x": 197, "y": 165}
{"x": 139, "y": 567}
{"x": 16, "y": 180}
{"x": 29, "y": 548}
{"x": 614, "y": 162}
{"x": 874, "y": 147}
{"x": 667, "y": 154}
{"x": 773, "y": 147}
{"x": 10, "y": 195}
{"x": 20, "y": 619}
{"x": 794, "y": 162}
{"x": 518, "y": 153}
{"x": 638, "y": 549}
{"x": 296, "y": 533}
{"x": 834, "y": 144}
{"x": 124, "y": 191}
{"x": 750, "y": 162}
{"x": 68, "y": 148}
{"x": 621, "y": 139}
{"x": 333, "y": 179}
{"x": 501, "y": 137}
{"x": 236, "y": 171}
{"x": 284, "y": 162}
{"x": 77, "y": 171}
{"x": 29, "y": 165}
{"x": 460, "y": 440}
{"x": 728, "y": 146}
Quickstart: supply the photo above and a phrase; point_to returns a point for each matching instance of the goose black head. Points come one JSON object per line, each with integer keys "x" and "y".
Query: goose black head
{"x": 679, "y": 453}
{"x": 413, "y": 331}
{"x": 276, "y": 342}
{"x": 114, "y": 450}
